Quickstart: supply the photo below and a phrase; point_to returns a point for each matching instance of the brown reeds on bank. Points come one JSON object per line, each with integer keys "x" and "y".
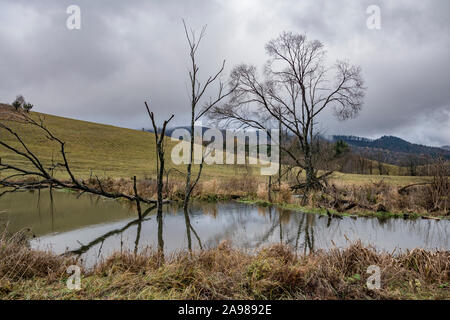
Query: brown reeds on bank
{"x": 425, "y": 199}
{"x": 274, "y": 272}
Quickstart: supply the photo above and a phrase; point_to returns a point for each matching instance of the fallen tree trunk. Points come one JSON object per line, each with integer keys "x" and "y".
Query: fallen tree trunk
{"x": 403, "y": 189}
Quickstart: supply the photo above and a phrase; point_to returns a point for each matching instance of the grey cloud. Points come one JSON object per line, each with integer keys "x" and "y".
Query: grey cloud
{"x": 131, "y": 51}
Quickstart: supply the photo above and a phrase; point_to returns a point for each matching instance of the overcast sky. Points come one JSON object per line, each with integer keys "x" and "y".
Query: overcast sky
{"x": 130, "y": 51}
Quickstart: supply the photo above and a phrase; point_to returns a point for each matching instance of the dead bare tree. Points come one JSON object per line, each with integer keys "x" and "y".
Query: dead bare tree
{"x": 198, "y": 105}
{"x": 40, "y": 175}
{"x": 295, "y": 89}
{"x": 160, "y": 164}
{"x": 160, "y": 151}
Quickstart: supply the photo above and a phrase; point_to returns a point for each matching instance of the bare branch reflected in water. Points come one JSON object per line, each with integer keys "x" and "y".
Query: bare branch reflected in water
{"x": 281, "y": 229}
{"x": 329, "y": 222}
{"x": 248, "y": 226}
{"x": 270, "y": 232}
{"x": 309, "y": 234}
{"x": 100, "y": 249}
{"x": 299, "y": 231}
{"x": 85, "y": 248}
{"x": 52, "y": 208}
{"x": 189, "y": 227}
{"x": 138, "y": 237}
{"x": 39, "y": 205}
{"x": 308, "y": 230}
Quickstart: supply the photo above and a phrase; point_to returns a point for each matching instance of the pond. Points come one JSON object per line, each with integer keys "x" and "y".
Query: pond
{"x": 95, "y": 227}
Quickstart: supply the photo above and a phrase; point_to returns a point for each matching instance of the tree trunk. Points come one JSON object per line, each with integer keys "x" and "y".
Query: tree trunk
{"x": 279, "y": 151}
{"x": 309, "y": 168}
{"x": 160, "y": 237}
{"x": 160, "y": 201}
{"x": 187, "y": 193}
{"x": 188, "y": 229}
{"x": 269, "y": 191}
{"x": 138, "y": 204}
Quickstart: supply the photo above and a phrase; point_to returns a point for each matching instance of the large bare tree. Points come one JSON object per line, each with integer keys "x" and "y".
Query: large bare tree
{"x": 295, "y": 88}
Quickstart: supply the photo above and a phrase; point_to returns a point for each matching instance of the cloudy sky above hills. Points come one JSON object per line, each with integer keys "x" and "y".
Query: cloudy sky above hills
{"x": 130, "y": 51}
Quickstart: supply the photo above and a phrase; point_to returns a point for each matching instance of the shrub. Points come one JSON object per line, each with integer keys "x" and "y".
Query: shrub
{"x": 27, "y": 107}
{"x": 18, "y": 103}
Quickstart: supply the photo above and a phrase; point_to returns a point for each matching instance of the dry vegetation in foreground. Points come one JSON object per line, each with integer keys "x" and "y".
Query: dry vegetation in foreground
{"x": 275, "y": 272}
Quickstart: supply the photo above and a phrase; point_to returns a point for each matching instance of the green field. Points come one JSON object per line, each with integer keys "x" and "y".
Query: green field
{"x": 104, "y": 150}
{"x": 108, "y": 151}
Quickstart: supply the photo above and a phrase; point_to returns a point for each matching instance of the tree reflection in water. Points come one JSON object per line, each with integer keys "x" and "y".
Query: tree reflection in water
{"x": 189, "y": 227}
{"x": 103, "y": 237}
{"x": 248, "y": 226}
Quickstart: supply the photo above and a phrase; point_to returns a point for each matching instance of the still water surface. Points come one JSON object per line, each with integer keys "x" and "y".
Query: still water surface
{"x": 95, "y": 227}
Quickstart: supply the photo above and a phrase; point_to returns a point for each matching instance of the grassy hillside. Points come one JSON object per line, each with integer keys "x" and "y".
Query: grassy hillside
{"x": 103, "y": 149}
{"x": 109, "y": 151}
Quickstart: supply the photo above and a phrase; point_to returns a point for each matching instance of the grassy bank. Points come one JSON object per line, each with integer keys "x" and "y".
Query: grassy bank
{"x": 334, "y": 213}
{"x": 274, "y": 272}
{"x": 378, "y": 199}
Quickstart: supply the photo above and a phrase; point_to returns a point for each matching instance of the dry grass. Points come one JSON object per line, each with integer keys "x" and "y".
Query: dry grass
{"x": 372, "y": 198}
{"x": 18, "y": 262}
{"x": 382, "y": 197}
{"x": 274, "y": 272}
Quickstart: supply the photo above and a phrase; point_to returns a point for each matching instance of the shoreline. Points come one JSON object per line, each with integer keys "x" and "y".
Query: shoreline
{"x": 336, "y": 214}
{"x": 319, "y": 210}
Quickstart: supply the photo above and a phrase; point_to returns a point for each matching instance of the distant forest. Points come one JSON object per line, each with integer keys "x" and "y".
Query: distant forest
{"x": 393, "y": 150}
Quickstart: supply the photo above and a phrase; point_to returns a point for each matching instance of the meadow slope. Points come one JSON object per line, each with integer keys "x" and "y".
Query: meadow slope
{"x": 109, "y": 151}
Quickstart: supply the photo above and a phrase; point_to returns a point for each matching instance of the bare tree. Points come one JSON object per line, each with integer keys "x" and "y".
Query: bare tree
{"x": 160, "y": 163}
{"x": 160, "y": 151}
{"x": 295, "y": 89}
{"x": 199, "y": 105}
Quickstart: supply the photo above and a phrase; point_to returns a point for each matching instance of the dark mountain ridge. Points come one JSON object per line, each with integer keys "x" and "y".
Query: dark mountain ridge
{"x": 388, "y": 149}
{"x": 393, "y": 149}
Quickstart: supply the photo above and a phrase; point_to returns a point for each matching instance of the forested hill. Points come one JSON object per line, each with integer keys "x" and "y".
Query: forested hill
{"x": 398, "y": 148}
